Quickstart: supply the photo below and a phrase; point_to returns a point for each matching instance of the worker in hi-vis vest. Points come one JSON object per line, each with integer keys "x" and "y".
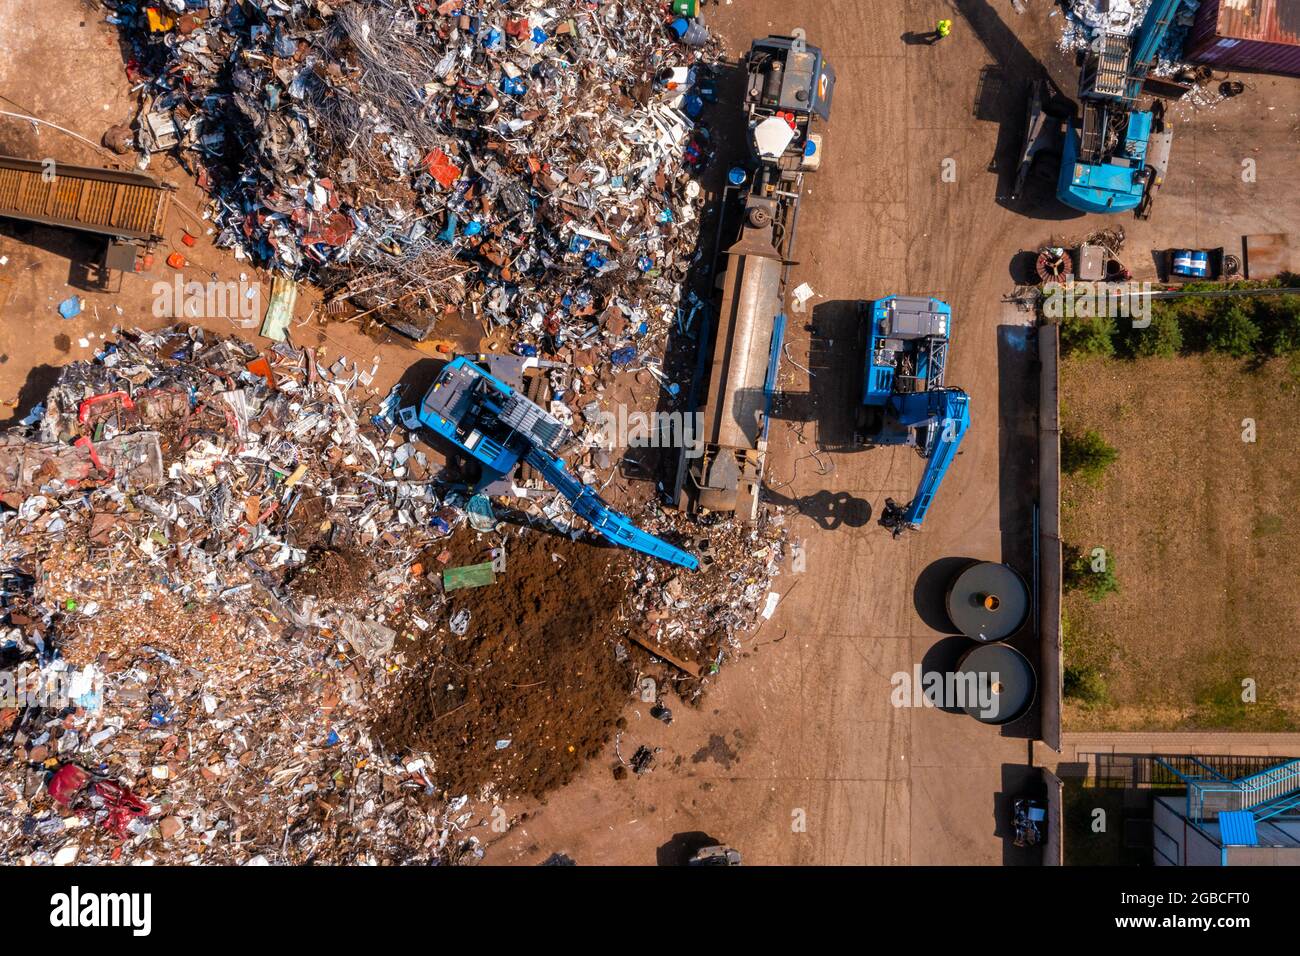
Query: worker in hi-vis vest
{"x": 942, "y": 29}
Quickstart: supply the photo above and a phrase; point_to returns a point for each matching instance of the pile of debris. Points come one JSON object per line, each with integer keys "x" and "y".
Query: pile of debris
{"x": 1087, "y": 20}
{"x": 524, "y": 164}
{"x": 696, "y": 621}
{"x": 208, "y": 556}
{"x": 238, "y": 601}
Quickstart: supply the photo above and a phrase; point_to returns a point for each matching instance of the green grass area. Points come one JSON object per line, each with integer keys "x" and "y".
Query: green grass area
{"x": 1218, "y": 702}
{"x": 1158, "y": 471}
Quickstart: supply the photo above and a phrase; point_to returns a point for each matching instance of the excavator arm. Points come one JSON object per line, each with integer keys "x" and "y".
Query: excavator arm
{"x": 945, "y": 415}
{"x": 617, "y": 527}
{"x": 497, "y": 425}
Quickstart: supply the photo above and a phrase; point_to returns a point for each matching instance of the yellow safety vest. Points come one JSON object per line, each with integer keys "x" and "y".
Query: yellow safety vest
{"x": 945, "y": 27}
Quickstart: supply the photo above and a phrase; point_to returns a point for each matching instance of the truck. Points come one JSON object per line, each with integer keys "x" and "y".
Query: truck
{"x": 789, "y": 88}
{"x": 488, "y": 416}
{"x": 904, "y": 399}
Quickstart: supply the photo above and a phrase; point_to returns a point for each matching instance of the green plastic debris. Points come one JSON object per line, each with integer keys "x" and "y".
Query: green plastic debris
{"x": 470, "y": 576}
{"x": 284, "y": 296}
{"x": 69, "y": 605}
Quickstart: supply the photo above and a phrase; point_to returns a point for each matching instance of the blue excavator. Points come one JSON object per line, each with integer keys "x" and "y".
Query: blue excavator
{"x": 1114, "y": 156}
{"x": 498, "y": 426}
{"x": 904, "y": 400}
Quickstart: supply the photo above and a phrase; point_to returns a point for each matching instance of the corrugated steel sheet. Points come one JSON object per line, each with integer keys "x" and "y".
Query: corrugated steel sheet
{"x": 1259, "y": 35}
{"x": 1237, "y": 828}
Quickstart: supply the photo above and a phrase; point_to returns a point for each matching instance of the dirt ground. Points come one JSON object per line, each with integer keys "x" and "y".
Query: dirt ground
{"x": 796, "y": 755}
{"x": 1203, "y": 531}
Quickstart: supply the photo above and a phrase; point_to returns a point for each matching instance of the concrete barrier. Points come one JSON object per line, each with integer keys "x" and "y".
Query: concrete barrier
{"x": 1054, "y": 844}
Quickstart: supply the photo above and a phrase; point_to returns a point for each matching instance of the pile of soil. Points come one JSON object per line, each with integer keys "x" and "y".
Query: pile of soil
{"x": 338, "y": 575}
{"x": 531, "y": 691}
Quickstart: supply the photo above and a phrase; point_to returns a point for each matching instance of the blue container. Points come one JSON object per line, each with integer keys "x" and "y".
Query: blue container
{"x": 1192, "y": 263}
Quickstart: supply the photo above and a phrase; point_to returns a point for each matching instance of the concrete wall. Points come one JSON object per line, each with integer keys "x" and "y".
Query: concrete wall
{"x": 1049, "y": 532}
{"x": 1054, "y": 845}
{"x": 1178, "y": 842}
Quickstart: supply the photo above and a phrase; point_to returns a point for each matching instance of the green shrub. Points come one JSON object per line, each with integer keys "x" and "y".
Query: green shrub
{"x": 1085, "y": 684}
{"x": 1233, "y": 332}
{"x": 1163, "y": 338}
{"x": 1079, "y": 576}
{"x": 1088, "y": 336}
{"x": 1260, "y": 326}
{"x": 1086, "y": 455}
{"x": 1278, "y": 319}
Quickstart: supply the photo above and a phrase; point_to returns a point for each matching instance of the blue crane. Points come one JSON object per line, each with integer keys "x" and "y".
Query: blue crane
{"x": 904, "y": 399}
{"x": 499, "y": 427}
{"x": 1114, "y": 155}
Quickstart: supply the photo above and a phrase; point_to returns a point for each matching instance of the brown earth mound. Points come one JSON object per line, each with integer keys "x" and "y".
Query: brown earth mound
{"x": 532, "y": 689}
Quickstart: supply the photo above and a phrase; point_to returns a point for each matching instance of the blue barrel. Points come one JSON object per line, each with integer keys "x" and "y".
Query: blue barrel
{"x": 1192, "y": 263}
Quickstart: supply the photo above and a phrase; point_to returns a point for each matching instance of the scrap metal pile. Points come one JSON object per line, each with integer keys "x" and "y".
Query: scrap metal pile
{"x": 209, "y": 554}
{"x": 703, "y": 617}
{"x": 522, "y": 162}
{"x": 1087, "y": 20}
{"x": 217, "y": 564}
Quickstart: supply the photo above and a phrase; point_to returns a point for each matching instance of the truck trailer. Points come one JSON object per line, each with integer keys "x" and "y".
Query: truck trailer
{"x": 790, "y": 86}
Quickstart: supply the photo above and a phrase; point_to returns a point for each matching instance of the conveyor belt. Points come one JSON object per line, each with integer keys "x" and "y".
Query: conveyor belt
{"x": 105, "y": 201}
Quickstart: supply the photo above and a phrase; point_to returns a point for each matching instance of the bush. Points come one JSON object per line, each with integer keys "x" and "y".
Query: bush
{"x": 1233, "y": 332}
{"x": 1079, "y": 576}
{"x": 1088, "y": 336}
{"x": 1278, "y": 319}
{"x": 1084, "y": 683}
{"x": 1163, "y": 338}
{"x": 1260, "y": 326}
{"x": 1086, "y": 455}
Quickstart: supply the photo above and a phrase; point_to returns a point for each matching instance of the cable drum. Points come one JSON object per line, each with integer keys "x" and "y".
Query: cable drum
{"x": 999, "y": 683}
{"x": 988, "y": 601}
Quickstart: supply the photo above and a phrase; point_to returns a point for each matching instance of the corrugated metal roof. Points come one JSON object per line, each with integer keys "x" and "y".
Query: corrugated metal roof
{"x": 1277, "y": 21}
{"x": 1237, "y": 828}
{"x": 1247, "y": 34}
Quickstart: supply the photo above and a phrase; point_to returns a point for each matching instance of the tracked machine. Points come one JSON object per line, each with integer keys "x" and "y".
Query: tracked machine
{"x": 1113, "y": 155}
{"x": 487, "y": 415}
{"x": 905, "y": 399}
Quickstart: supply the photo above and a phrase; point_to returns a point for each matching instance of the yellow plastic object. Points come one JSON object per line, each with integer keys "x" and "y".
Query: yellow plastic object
{"x": 159, "y": 22}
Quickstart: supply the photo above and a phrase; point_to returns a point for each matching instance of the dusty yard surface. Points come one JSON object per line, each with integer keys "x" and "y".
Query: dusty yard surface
{"x": 800, "y": 728}
{"x": 1205, "y": 536}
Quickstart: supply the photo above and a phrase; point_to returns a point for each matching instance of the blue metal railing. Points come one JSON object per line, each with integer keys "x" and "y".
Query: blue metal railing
{"x": 1275, "y": 790}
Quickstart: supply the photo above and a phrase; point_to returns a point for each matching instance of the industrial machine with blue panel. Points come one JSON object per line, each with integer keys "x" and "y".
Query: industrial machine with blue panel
{"x": 904, "y": 400}
{"x": 1113, "y": 156}
{"x": 498, "y": 426}
{"x": 790, "y": 85}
